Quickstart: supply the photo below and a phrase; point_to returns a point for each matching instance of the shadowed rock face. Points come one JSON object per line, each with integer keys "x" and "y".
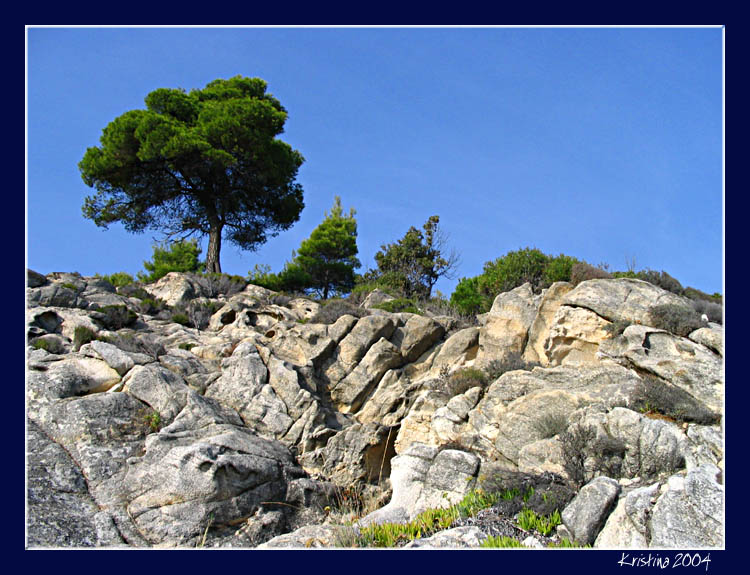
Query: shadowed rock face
{"x": 249, "y": 430}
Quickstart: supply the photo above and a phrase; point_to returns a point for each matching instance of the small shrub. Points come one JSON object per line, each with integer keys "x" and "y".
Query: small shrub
{"x": 551, "y": 424}
{"x": 712, "y": 310}
{"x": 215, "y": 284}
{"x": 500, "y": 542}
{"x": 154, "y": 421}
{"x": 151, "y": 306}
{"x": 119, "y": 279}
{"x": 42, "y": 344}
{"x": 199, "y": 312}
{"x": 528, "y": 520}
{"x": 333, "y": 309}
{"x": 82, "y": 335}
{"x": 69, "y": 286}
{"x": 399, "y": 305}
{"x": 114, "y": 317}
{"x": 510, "y": 362}
{"x": 462, "y": 380}
{"x": 180, "y": 256}
{"x": 617, "y": 327}
{"x": 677, "y": 319}
{"x": 187, "y": 346}
{"x": 181, "y": 318}
{"x": 655, "y": 396}
{"x": 585, "y": 454}
{"x": 582, "y": 271}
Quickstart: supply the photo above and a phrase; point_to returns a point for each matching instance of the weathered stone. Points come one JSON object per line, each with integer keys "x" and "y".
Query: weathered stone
{"x": 423, "y": 477}
{"x": 508, "y": 323}
{"x": 73, "y": 376}
{"x": 678, "y": 360}
{"x": 419, "y": 334}
{"x": 552, "y": 297}
{"x": 689, "y": 514}
{"x": 574, "y": 336}
{"x": 456, "y": 538}
{"x": 354, "y": 346}
{"x": 622, "y": 299}
{"x": 61, "y": 512}
{"x": 310, "y": 536}
{"x": 357, "y": 454}
{"x": 175, "y": 289}
{"x": 113, "y": 356}
{"x": 34, "y": 279}
{"x": 182, "y": 362}
{"x": 586, "y": 514}
{"x": 163, "y": 390}
{"x": 53, "y": 343}
{"x": 303, "y": 308}
{"x": 390, "y": 401}
{"x": 459, "y": 348}
{"x": 627, "y": 526}
{"x": 349, "y": 393}
{"x": 376, "y": 297}
{"x": 712, "y": 338}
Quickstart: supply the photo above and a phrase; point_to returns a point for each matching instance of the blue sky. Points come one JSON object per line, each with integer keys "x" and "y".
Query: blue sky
{"x": 604, "y": 144}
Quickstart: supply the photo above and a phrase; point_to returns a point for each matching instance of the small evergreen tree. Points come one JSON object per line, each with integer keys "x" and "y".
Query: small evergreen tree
{"x": 415, "y": 263}
{"x": 325, "y": 262}
{"x": 181, "y": 256}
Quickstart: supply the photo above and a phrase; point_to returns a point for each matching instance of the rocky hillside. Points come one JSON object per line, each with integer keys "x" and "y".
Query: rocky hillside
{"x": 177, "y": 415}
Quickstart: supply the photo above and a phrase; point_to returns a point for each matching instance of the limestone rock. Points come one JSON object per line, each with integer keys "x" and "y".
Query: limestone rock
{"x": 34, "y": 279}
{"x": 689, "y": 514}
{"x": 71, "y": 377}
{"x": 376, "y": 297}
{"x": 459, "y": 348}
{"x": 586, "y": 514}
{"x": 628, "y": 525}
{"x": 424, "y": 477}
{"x": 539, "y": 331}
{"x": 458, "y": 537}
{"x": 622, "y": 299}
{"x": 678, "y": 360}
{"x": 711, "y": 337}
{"x": 417, "y": 336}
{"x": 574, "y": 336}
{"x": 113, "y": 356}
{"x": 508, "y": 323}
{"x": 175, "y": 289}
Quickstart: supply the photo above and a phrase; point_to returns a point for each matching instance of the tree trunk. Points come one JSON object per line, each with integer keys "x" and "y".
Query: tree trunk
{"x": 213, "y": 265}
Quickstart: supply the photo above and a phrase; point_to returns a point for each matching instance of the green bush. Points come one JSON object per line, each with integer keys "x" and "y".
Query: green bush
{"x": 679, "y": 320}
{"x": 616, "y": 327}
{"x": 181, "y": 256}
{"x": 513, "y": 270}
{"x": 500, "y": 542}
{"x": 42, "y": 344}
{"x": 114, "y": 317}
{"x": 181, "y": 318}
{"x": 82, "y": 335}
{"x": 528, "y": 520}
{"x": 398, "y": 305}
{"x": 468, "y": 299}
{"x": 215, "y": 284}
{"x": 511, "y": 362}
{"x": 151, "y": 306}
{"x": 119, "y": 279}
{"x": 559, "y": 269}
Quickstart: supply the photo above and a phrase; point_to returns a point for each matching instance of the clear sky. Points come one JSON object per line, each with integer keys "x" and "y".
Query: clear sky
{"x": 603, "y": 144}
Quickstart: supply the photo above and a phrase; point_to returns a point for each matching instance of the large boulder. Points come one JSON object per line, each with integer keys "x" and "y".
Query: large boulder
{"x": 574, "y": 336}
{"x": 585, "y": 516}
{"x": 507, "y": 328}
{"x": 175, "y": 289}
{"x": 552, "y": 297}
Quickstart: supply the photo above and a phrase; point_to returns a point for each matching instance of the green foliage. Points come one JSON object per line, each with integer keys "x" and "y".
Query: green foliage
{"x": 616, "y": 327}
{"x": 114, "y": 317}
{"x": 475, "y": 295}
{"x": 412, "y": 265}
{"x": 82, "y": 335}
{"x": 327, "y": 259}
{"x": 468, "y": 298}
{"x": 399, "y": 305}
{"x": 206, "y": 162}
{"x": 153, "y": 420}
{"x": 544, "y": 524}
{"x": 679, "y": 320}
{"x": 500, "y": 542}
{"x": 187, "y": 346}
{"x": 261, "y": 276}
{"x": 513, "y": 270}
{"x": 426, "y": 523}
{"x": 152, "y": 306}
{"x": 42, "y": 344}
{"x": 181, "y": 318}
{"x": 173, "y": 257}
{"x": 119, "y": 279}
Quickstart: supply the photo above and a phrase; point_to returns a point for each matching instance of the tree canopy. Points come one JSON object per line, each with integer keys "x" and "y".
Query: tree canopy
{"x": 329, "y": 256}
{"x": 414, "y": 264}
{"x": 207, "y": 162}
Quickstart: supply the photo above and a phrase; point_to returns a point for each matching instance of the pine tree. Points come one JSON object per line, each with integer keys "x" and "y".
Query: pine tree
{"x": 325, "y": 262}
